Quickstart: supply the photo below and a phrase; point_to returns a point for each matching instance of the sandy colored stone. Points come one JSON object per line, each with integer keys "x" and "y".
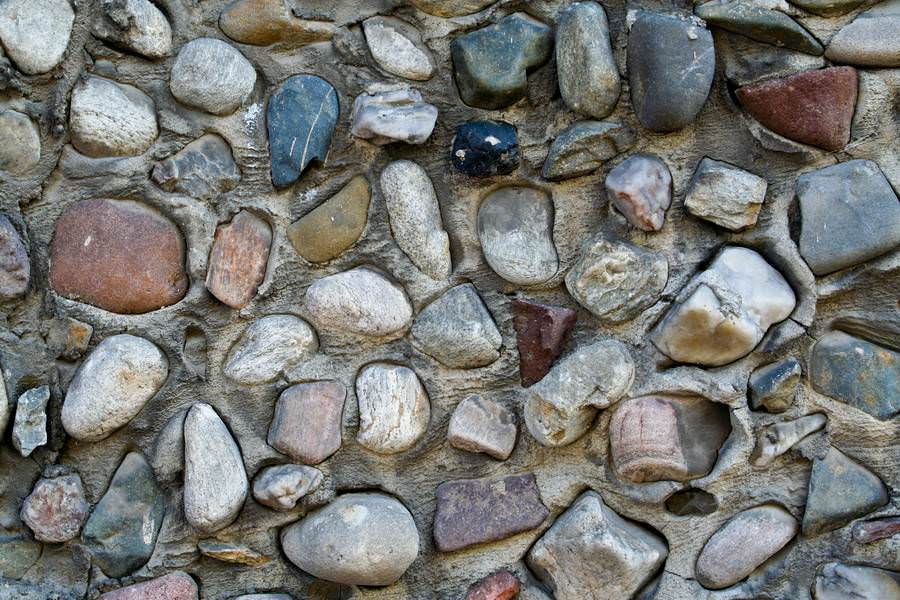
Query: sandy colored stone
{"x": 335, "y": 225}
{"x": 443, "y": 8}
{"x": 397, "y": 47}
{"x": 269, "y": 347}
{"x": 111, "y": 119}
{"x": 238, "y": 260}
{"x": 231, "y": 553}
{"x": 394, "y": 408}
{"x": 265, "y": 22}
{"x": 307, "y": 421}
{"x": 20, "y": 143}
{"x": 481, "y": 425}
{"x": 870, "y": 40}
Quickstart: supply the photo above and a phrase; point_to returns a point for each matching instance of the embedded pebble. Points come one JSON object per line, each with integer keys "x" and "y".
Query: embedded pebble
{"x": 868, "y": 532}
{"x": 772, "y": 387}
{"x": 56, "y": 508}
{"x": 135, "y": 25}
{"x": 344, "y": 541}
{"x": 841, "y": 581}
{"x": 172, "y": 586}
{"x": 641, "y": 188}
{"x": 458, "y": 330}
{"x": 68, "y": 337}
{"x": 394, "y": 409}
{"x": 725, "y": 195}
{"x": 307, "y": 421}
{"x": 394, "y": 116}
{"x": 265, "y": 22}
{"x": 397, "y": 47}
{"x": 759, "y": 24}
{"x": 168, "y": 449}
{"x": 541, "y": 332}
{"x": 212, "y": 75}
{"x": 692, "y": 502}
{"x": 268, "y": 347}
{"x": 111, "y": 119}
{"x": 870, "y": 40}
{"x": 204, "y": 169}
{"x": 4, "y": 402}
{"x": 35, "y": 34}
{"x": 238, "y": 260}
{"x": 583, "y": 148}
{"x": 15, "y": 268}
{"x": 501, "y": 585}
{"x": 485, "y": 148}
{"x": 112, "y": 385}
{"x": 235, "y": 554}
{"x": 30, "y": 426}
{"x": 457, "y": 8}
{"x": 281, "y": 486}
{"x": 515, "y": 228}
{"x": 827, "y": 8}
{"x": 328, "y": 230}
{"x": 481, "y": 425}
{"x": 20, "y": 143}
{"x": 776, "y": 439}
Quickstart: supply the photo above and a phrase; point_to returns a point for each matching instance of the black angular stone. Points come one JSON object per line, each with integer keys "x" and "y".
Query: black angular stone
{"x": 485, "y": 148}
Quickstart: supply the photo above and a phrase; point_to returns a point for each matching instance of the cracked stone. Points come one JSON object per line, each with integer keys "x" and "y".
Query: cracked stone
{"x": 212, "y": 75}
{"x": 326, "y": 231}
{"x": 725, "y": 195}
{"x": 541, "y": 332}
{"x": 204, "y": 169}
{"x": 238, "y": 259}
{"x": 584, "y": 147}
{"x": 307, "y": 421}
{"x": 30, "y": 426}
{"x": 394, "y": 409}
{"x": 481, "y": 425}
{"x": 55, "y": 509}
{"x": 772, "y": 387}
{"x": 394, "y": 116}
{"x": 282, "y": 486}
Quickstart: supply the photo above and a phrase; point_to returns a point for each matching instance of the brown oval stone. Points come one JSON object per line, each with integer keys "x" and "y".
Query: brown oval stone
{"x": 15, "y": 270}
{"x": 119, "y": 255}
{"x": 237, "y": 263}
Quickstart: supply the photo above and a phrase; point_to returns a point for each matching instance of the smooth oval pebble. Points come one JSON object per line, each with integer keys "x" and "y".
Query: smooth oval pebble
{"x": 397, "y": 48}
{"x": 212, "y": 75}
{"x": 112, "y": 386}
{"x": 111, "y": 119}
{"x": 268, "y": 347}
{"x": 35, "y": 33}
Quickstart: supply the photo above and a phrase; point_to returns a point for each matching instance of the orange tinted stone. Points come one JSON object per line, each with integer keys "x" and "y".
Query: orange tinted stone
{"x": 502, "y": 585}
{"x": 237, "y": 263}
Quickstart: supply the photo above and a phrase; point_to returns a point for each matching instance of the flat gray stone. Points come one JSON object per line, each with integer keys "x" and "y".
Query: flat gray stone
{"x": 269, "y": 347}
{"x": 397, "y": 47}
{"x": 641, "y": 188}
{"x": 20, "y": 143}
{"x": 481, "y": 425}
{"x": 212, "y": 75}
{"x": 584, "y": 147}
{"x": 30, "y": 427}
{"x": 204, "y": 169}
{"x": 35, "y": 35}
{"x": 394, "y": 408}
{"x": 55, "y": 509}
{"x": 135, "y": 25}
{"x": 393, "y": 116}
{"x": 111, "y": 119}
{"x": 282, "y": 486}
{"x": 307, "y": 421}
{"x": 842, "y": 581}
{"x": 725, "y": 195}
{"x": 759, "y": 24}
{"x": 870, "y": 40}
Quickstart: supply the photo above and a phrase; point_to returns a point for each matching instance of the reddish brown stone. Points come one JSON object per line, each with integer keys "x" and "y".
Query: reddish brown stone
{"x": 119, "y": 255}
{"x": 502, "y": 585}
{"x": 237, "y": 263}
{"x": 15, "y": 270}
{"x": 814, "y": 107}
{"x": 879, "y": 529}
{"x": 475, "y": 511}
{"x": 174, "y": 586}
{"x": 541, "y": 332}
{"x": 307, "y": 421}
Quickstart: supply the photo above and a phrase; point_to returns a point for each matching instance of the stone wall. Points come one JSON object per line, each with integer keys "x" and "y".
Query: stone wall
{"x": 377, "y": 298}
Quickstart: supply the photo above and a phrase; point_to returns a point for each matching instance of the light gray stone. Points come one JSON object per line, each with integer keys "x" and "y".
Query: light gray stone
{"x": 393, "y": 116}
{"x": 397, "y": 48}
{"x": 215, "y": 482}
{"x": 55, "y": 509}
{"x": 776, "y": 439}
{"x": 590, "y": 534}
{"x": 112, "y": 386}
{"x": 135, "y": 25}
{"x": 212, "y": 75}
{"x": 617, "y": 280}
{"x": 168, "y": 449}
{"x": 588, "y": 74}
{"x": 269, "y": 347}
{"x": 203, "y": 169}
{"x": 561, "y": 407}
{"x": 641, "y": 188}
{"x": 725, "y": 195}
{"x": 870, "y": 40}
{"x": 841, "y": 581}
{"x": 394, "y": 409}
{"x": 458, "y": 330}
{"x": 281, "y": 486}
{"x": 30, "y": 427}
{"x": 584, "y": 147}
{"x": 4, "y": 402}
{"x": 344, "y": 541}
{"x": 20, "y": 143}
{"x": 35, "y": 33}
{"x": 111, "y": 119}
{"x": 481, "y": 425}
{"x": 415, "y": 216}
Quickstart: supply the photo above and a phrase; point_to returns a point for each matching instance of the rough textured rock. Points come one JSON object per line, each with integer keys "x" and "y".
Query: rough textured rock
{"x": 541, "y": 332}
{"x": 442, "y": 8}
{"x": 212, "y": 75}
{"x": 868, "y": 532}
{"x": 415, "y": 216}
{"x": 616, "y": 280}
{"x": 18, "y": 553}
{"x": 827, "y": 8}
{"x": 584, "y": 147}
{"x": 238, "y": 260}
{"x": 269, "y": 347}
{"x": 135, "y": 25}
{"x": 481, "y": 425}
{"x": 671, "y": 63}
{"x": 69, "y": 338}
{"x": 725, "y": 311}
{"x": 173, "y": 586}
{"x": 111, "y": 119}
{"x": 344, "y": 541}
{"x": 393, "y": 116}
{"x": 112, "y": 385}
{"x": 501, "y": 585}
{"x": 119, "y": 255}
{"x": 55, "y": 509}
{"x": 397, "y": 47}
{"x": 477, "y": 511}
{"x": 772, "y": 387}
{"x": 265, "y": 22}
{"x": 491, "y": 64}
{"x": 215, "y": 482}
{"x": 589, "y": 534}
{"x": 236, "y": 554}
{"x": 394, "y": 409}
{"x": 744, "y": 543}
{"x": 561, "y": 407}
{"x": 838, "y": 202}
{"x": 307, "y": 421}
{"x": 30, "y": 426}
{"x": 760, "y": 24}
{"x": 457, "y": 330}
{"x": 20, "y": 143}
{"x": 870, "y": 40}
{"x": 515, "y": 228}
{"x": 335, "y": 225}
{"x": 35, "y": 35}
{"x": 15, "y": 268}
{"x": 725, "y": 195}
{"x": 776, "y": 439}
{"x": 641, "y": 188}
{"x": 485, "y": 148}
{"x": 203, "y": 169}
{"x": 839, "y": 581}
{"x": 281, "y": 486}
{"x": 813, "y": 107}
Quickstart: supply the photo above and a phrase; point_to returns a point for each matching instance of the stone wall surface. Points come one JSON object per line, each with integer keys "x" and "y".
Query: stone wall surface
{"x": 417, "y": 299}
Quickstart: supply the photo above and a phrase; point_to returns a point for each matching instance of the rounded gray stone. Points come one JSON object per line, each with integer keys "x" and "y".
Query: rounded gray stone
{"x": 135, "y": 25}
{"x": 397, "y": 48}
{"x": 212, "y": 75}
{"x": 268, "y": 347}
{"x": 35, "y": 33}
{"x": 394, "y": 409}
{"x": 111, "y": 119}
{"x": 20, "y": 143}
{"x": 870, "y": 40}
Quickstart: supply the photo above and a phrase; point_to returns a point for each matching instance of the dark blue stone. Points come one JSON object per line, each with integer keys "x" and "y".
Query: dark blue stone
{"x": 485, "y": 148}
{"x": 301, "y": 116}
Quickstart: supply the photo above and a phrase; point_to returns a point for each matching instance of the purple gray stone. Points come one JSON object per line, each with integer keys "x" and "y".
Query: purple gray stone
{"x": 641, "y": 188}
{"x": 56, "y": 508}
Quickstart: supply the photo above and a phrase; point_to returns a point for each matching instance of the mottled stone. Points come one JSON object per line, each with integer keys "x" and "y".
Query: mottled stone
{"x": 35, "y": 35}
{"x": 15, "y": 268}
{"x": 111, "y": 119}
{"x": 501, "y": 585}
{"x": 135, "y": 25}
{"x": 725, "y": 195}
{"x": 759, "y": 24}
{"x": 68, "y": 337}
{"x": 344, "y": 542}
{"x": 772, "y": 387}
{"x": 671, "y": 62}
{"x": 204, "y": 169}
{"x": 20, "y": 143}
{"x": 868, "y": 532}
{"x": 616, "y": 280}
{"x": 584, "y": 147}
{"x": 724, "y": 312}
{"x": 265, "y": 22}
{"x": 827, "y": 8}
{"x": 814, "y": 107}
{"x": 269, "y": 347}
{"x": 281, "y": 486}
{"x": 335, "y": 225}
{"x": 394, "y": 116}
{"x": 238, "y": 259}
{"x": 838, "y": 202}
{"x": 870, "y": 40}
{"x": 458, "y": 330}
{"x": 212, "y": 75}
{"x": 5, "y": 408}
{"x": 397, "y": 47}
{"x": 590, "y": 534}
{"x": 477, "y": 511}
{"x": 415, "y": 217}
{"x": 561, "y": 407}
{"x": 491, "y": 64}
{"x": 515, "y": 228}
{"x": 692, "y": 502}
{"x": 301, "y": 118}
{"x": 485, "y": 148}
{"x": 18, "y": 553}
{"x": 641, "y": 188}
{"x": 118, "y": 255}
{"x": 173, "y": 586}
{"x": 841, "y": 581}
{"x": 744, "y": 543}
{"x": 776, "y": 439}
{"x": 235, "y": 554}
{"x": 112, "y": 385}
{"x": 587, "y": 70}
{"x": 360, "y": 301}
{"x": 121, "y": 532}
{"x": 840, "y": 490}
{"x": 55, "y": 509}
{"x": 394, "y": 409}
{"x": 307, "y": 421}
{"x": 30, "y": 426}
{"x": 541, "y": 332}
{"x": 481, "y": 425}
{"x": 215, "y": 482}
{"x": 457, "y": 8}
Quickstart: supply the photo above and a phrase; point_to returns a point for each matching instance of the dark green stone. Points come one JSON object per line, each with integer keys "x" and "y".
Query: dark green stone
{"x": 760, "y": 24}
{"x": 17, "y": 554}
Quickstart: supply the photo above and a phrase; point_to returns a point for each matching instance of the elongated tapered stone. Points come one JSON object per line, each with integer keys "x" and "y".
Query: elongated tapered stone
{"x": 265, "y": 22}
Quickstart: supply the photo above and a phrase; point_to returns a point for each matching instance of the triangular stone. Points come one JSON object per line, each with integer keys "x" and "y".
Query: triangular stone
{"x": 540, "y": 333}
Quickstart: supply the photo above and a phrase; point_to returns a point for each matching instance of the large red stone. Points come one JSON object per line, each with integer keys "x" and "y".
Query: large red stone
{"x": 174, "y": 586}
{"x": 119, "y": 255}
{"x": 541, "y": 332}
{"x": 502, "y": 585}
{"x": 813, "y": 107}
{"x": 237, "y": 263}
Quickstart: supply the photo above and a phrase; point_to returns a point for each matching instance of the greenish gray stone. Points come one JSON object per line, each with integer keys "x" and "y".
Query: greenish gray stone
{"x": 584, "y": 147}
{"x": 17, "y": 554}
{"x": 30, "y": 427}
{"x": 871, "y": 40}
{"x": 827, "y": 8}
{"x": 760, "y": 24}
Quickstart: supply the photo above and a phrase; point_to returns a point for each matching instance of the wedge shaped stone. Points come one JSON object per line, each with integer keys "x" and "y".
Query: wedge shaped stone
{"x": 328, "y": 230}
{"x": 760, "y": 24}
{"x": 776, "y": 439}
{"x": 541, "y": 332}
